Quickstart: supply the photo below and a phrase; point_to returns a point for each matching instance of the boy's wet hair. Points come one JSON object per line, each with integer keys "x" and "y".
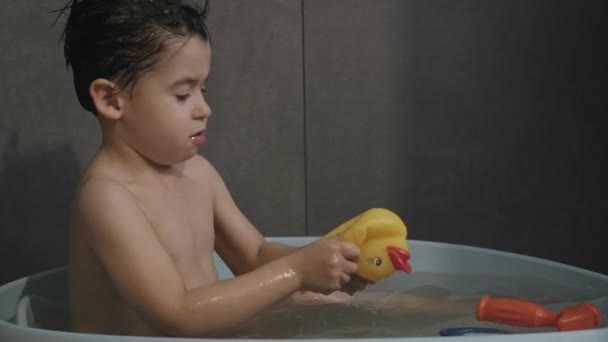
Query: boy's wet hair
{"x": 120, "y": 40}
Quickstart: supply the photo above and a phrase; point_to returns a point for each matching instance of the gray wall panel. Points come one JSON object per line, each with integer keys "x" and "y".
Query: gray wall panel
{"x": 477, "y": 121}
{"x": 356, "y": 107}
{"x": 256, "y": 135}
{"x": 45, "y": 140}
{"x": 480, "y": 122}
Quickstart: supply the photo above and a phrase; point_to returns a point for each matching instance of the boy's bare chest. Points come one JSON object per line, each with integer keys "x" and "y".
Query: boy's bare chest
{"x": 182, "y": 219}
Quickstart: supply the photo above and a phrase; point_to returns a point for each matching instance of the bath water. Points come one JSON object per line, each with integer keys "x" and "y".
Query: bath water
{"x": 419, "y": 304}
{"x": 405, "y": 305}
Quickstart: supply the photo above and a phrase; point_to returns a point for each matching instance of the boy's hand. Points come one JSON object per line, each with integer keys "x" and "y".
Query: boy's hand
{"x": 326, "y": 265}
{"x": 356, "y": 284}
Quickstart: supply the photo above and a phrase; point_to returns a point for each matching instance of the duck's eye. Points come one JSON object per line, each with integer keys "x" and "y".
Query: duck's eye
{"x": 377, "y": 261}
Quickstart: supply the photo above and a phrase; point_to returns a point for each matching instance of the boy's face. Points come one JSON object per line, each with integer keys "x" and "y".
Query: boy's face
{"x": 165, "y": 117}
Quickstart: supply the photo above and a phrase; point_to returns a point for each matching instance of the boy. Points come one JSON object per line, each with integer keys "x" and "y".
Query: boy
{"x": 149, "y": 211}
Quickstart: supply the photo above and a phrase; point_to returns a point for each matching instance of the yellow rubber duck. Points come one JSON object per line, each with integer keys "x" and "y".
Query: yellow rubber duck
{"x": 381, "y": 236}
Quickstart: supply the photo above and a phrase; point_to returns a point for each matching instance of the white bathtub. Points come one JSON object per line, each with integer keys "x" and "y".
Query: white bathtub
{"x": 49, "y": 289}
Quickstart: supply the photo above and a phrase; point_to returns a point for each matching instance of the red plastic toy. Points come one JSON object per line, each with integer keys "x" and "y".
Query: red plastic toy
{"x": 522, "y": 313}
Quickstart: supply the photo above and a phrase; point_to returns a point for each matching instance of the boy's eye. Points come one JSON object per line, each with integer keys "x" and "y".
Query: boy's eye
{"x": 184, "y": 97}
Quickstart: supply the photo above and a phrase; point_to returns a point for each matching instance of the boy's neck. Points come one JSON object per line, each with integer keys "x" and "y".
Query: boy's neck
{"x": 134, "y": 163}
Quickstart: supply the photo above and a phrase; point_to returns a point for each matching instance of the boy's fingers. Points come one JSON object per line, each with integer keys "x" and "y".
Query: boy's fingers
{"x": 344, "y": 279}
{"x": 350, "y": 251}
{"x": 350, "y": 267}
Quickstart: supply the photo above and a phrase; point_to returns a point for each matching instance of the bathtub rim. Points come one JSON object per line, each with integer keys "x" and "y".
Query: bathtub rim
{"x": 11, "y": 330}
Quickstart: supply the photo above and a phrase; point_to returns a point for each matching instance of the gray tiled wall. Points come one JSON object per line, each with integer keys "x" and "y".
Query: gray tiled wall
{"x": 480, "y": 122}
{"x": 256, "y": 92}
{"x": 477, "y": 121}
{"x": 45, "y": 139}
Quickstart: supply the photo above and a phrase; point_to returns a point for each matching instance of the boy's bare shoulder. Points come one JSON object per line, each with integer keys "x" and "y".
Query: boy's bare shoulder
{"x": 100, "y": 184}
{"x": 101, "y": 194}
{"x": 101, "y": 179}
{"x": 199, "y": 163}
{"x": 200, "y": 168}
{"x": 95, "y": 191}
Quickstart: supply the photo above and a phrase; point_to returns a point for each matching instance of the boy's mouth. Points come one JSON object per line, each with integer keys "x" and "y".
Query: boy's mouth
{"x": 199, "y": 138}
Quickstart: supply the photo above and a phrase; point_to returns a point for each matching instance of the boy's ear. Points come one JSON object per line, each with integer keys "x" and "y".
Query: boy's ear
{"x": 105, "y": 99}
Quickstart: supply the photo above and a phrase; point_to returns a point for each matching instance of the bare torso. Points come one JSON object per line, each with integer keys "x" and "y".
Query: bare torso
{"x": 180, "y": 212}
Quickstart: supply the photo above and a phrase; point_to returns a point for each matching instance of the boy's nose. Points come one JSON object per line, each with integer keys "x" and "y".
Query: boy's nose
{"x": 202, "y": 111}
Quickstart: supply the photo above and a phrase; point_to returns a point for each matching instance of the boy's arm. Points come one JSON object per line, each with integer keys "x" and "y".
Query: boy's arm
{"x": 241, "y": 245}
{"x": 145, "y": 277}
{"x": 238, "y": 242}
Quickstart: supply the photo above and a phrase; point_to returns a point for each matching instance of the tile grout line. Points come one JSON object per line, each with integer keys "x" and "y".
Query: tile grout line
{"x": 305, "y": 147}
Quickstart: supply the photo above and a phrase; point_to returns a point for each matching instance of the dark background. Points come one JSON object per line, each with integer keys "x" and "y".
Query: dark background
{"x": 479, "y": 122}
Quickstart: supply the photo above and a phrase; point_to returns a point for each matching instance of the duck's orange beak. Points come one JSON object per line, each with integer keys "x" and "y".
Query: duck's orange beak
{"x": 399, "y": 257}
